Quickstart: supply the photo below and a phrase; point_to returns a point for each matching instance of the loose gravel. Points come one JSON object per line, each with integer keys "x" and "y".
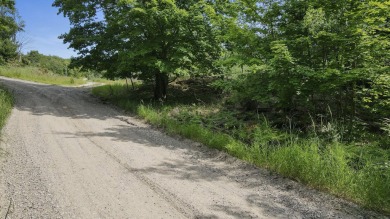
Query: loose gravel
{"x": 64, "y": 154}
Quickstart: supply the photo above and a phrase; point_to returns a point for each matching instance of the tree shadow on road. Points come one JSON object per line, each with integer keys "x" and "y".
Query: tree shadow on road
{"x": 267, "y": 193}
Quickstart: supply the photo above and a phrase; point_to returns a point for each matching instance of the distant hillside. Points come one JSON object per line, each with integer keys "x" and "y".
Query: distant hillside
{"x": 54, "y": 64}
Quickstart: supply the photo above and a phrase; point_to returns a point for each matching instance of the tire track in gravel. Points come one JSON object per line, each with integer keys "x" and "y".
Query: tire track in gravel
{"x": 70, "y": 156}
{"x": 186, "y": 209}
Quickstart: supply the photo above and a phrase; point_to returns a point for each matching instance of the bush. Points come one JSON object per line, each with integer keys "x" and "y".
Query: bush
{"x": 6, "y": 102}
{"x": 350, "y": 170}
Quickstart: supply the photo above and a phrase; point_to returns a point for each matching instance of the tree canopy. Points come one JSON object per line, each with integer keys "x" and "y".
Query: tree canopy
{"x": 9, "y": 26}
{"x": 314, "y": 56}
{"x": 306, "y": 56}
{"x": 155, "y": 39}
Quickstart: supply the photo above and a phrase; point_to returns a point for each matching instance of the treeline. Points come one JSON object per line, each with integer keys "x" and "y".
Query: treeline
{"x": 55, "y": 64}
{"x": 49, "y": 65}
{"x": 302, "y": 59}
{"x": 10, "y": 25}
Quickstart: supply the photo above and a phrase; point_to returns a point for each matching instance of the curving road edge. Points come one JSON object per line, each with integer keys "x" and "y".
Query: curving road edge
{"x": 64, "y": 154}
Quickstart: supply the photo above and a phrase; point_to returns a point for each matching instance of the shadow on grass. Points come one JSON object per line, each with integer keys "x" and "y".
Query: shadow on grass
{"x": 204, "y": 165}
{"x": 266, "y": 193}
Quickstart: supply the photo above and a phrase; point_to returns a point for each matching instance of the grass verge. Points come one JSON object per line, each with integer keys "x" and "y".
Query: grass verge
{"x": 6, "y": 102}
{"x": 352, "y": 171}
{"x": 38, "y": 75}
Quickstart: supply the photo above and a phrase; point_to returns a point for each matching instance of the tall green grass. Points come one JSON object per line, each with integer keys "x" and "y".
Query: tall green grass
{"x": 6, "y": 102}
{"x": 38, "y": 75}
{"x": 108, "y": 81}
{"x": 360, "y": 174}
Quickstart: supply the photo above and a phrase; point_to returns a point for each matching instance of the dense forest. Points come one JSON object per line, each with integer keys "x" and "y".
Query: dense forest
{"x": 301, "y": 87}
{"x": 298, "y": 58}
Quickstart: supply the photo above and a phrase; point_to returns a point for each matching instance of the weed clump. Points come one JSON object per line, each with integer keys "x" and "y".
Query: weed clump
{"x": 6, "y": 102}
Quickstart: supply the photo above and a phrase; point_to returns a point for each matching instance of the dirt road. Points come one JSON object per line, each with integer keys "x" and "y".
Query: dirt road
{"x": 67, "y": 155}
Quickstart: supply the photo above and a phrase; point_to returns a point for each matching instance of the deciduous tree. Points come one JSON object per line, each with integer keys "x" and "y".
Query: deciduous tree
{"x": 157, "y": 39}
{"x": 9, "y": 26}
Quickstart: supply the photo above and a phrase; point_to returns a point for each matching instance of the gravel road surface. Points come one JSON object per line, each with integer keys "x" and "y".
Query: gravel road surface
{"x": 65, "y": 154}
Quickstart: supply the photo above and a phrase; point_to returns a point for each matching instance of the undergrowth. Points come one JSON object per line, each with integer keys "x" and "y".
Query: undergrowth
{"x": 6, "y": 102}
{"x": 36, "y": 74}
{"x": 355, "y": 170}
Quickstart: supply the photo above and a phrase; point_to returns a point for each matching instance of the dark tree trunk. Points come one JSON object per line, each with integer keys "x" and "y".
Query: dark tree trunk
{"x": 161, "y": 86}
{"x": 127, "y": 85}
{"x": 132, "y": 83}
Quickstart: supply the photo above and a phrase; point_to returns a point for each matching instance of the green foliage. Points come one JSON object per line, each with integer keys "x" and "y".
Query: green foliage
{"x": 8, "y": 29}
{"x": 150, "y": 40}
{"x": 7, "y": 51}
{"x": 38, "y": 75}
{"x": 54, "y": 64}
{"x": 375, "y": 98}
{"x": 352, "y": 171}
{"x": 313, "y": 58}
{"x": 308, "y": 80}
{"x": 318, "y": 70}
{"x": 6, "y": 103}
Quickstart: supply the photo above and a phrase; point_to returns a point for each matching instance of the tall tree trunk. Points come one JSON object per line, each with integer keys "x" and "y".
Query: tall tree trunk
{"x": 161, "y": 86}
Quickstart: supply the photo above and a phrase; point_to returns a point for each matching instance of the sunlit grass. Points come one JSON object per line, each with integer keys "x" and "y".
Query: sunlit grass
{"x": 328, "y": 166}
{"x": 38, "y": 75}
{"x": 111, "y": 82}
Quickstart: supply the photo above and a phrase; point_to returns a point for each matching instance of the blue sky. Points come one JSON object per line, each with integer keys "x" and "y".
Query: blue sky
{"x": 43, "y": 26}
